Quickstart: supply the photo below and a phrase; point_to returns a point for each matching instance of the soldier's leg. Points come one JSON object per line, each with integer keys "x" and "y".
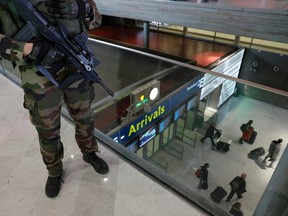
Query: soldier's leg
{"x": 44, "y": 106}
{"x": 78, "y": 98}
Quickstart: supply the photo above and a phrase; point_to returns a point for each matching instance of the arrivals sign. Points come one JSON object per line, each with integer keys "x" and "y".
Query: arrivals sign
{"x": 144, "y": 122}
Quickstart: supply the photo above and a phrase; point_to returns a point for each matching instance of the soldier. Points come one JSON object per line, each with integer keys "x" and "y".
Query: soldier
{"x": 42, "y": 99}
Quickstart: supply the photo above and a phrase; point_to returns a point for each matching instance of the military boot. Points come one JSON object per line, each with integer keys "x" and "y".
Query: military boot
{"x": 99, "y": 165}
{"x": 53, "y": 185}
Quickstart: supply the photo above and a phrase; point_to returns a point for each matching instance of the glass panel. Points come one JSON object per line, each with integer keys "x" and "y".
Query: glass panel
{"x": 156, "y": 143}
{"x": 221, "y": 98}
{"x": 150, "y": 149}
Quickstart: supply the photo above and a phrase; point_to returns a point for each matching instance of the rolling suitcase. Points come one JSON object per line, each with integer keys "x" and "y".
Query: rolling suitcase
{"x": 223, "y": 146}
{"x": 252, "y": 137}
{"x": 218, "y": 194}
{"x": 254, "y": 154}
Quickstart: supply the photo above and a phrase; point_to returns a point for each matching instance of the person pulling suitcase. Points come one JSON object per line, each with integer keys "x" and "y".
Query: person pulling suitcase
{"x": 238, "y": 186}
{"x": 247, "y": 130}
{"x": 210, "y": 133}
{"x": 273, "y": 151}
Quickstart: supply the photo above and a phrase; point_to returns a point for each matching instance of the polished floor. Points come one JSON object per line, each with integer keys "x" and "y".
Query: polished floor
{"x": 202, "y": 53}
{"x": 124, "y": 191}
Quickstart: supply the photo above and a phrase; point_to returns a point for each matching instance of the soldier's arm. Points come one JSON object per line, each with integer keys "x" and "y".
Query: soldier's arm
{"x": 14, "y": 50}
{"x": 95, "y": 19}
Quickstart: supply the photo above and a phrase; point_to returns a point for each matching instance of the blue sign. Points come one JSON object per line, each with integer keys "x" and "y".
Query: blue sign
{"x": 145, "y": 121}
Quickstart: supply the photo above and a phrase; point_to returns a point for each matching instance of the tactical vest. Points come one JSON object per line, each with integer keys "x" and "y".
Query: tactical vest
{"x": 30, "y": 77}
{"x": 11, "y": 23}
{"x": 8, "y": 25}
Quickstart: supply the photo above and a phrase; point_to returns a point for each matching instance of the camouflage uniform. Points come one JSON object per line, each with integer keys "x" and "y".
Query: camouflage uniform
{"x": 43, "y": 99}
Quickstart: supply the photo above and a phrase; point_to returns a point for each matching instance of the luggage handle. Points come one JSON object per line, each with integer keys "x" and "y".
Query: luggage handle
{"x": 228, "y": 187}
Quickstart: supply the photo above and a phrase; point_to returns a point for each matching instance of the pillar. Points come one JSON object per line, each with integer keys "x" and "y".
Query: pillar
{"x": 146, "y": 34}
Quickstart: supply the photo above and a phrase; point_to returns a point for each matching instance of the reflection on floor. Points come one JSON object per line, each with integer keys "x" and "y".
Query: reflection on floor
{"x": 204, "y": 53}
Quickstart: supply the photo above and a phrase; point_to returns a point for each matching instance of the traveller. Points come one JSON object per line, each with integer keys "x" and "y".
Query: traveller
{"x": 273, "y": 151}
{"x": 210, "y": 132}
{"x": 245, "y": 128}
{"x": 236, "y": 209}
{"x": 203, "y": 182}
{"x": 238, "y": 186}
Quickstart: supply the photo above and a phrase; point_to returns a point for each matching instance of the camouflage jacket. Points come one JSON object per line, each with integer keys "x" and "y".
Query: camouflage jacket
{"x": 12, "y": 50}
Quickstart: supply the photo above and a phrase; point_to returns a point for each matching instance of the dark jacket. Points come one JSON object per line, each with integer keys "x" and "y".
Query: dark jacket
{"x": 246, "y": 126}
{"x": 238, "y": 184}
{"x": 210, "y": 131}
{"x": 236, "y": 212}
{"x": 204, "y": 173}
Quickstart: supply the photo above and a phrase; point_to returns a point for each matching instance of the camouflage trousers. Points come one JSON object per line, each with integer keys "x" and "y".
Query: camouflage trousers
{"x": 44, "y": 105}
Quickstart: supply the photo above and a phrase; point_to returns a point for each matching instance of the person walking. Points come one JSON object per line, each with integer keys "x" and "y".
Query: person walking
{"x": 236, "y": 209}
{"x": 238, "y": 186}
{"x": 273, "y": 152}
{"x": 42, "y": 98}
{"x": 245, "y": 129}
{"x": 203, "y": 182}
{"x": 210, "y": 134}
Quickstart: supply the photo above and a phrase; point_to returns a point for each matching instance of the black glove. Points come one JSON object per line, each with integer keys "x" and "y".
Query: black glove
{"x": 45, "y": 53}
{"x": 69, "y": 9}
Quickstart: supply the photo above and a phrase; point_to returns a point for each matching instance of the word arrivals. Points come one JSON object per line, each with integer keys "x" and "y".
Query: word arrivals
{"x": 146, "y": 120}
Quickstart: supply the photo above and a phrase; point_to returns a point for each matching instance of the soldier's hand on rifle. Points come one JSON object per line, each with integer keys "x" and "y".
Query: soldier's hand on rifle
{"x": 69, "y": 9}
{"x": 45, "y": 53}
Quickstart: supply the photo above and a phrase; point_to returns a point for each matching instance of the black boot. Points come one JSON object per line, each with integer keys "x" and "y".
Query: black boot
{"x": 99, "y": 165}
{"x": 53, "y": 185}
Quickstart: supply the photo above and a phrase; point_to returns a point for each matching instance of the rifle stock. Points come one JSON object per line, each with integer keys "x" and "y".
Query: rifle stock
{"x": 81, "y": 56}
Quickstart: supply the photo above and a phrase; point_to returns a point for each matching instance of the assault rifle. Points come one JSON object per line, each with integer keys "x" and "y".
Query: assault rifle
{"x": 80, "y": 55}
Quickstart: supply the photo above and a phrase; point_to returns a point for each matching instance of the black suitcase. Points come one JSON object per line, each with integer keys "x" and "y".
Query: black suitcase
{"x": 253, "y": 137}
{"x": 223, "y": 146}
{"x": 218, "y": 194}
{"x": 254, "y": 154}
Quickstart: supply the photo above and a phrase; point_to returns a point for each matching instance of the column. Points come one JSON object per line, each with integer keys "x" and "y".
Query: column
{"x": 146, "y": 34}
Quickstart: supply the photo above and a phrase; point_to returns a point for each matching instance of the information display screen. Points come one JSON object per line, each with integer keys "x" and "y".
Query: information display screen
{"x": 165, "y": 123}
{"x": 179, "y": 112}
{"x": 147, "y": 136}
